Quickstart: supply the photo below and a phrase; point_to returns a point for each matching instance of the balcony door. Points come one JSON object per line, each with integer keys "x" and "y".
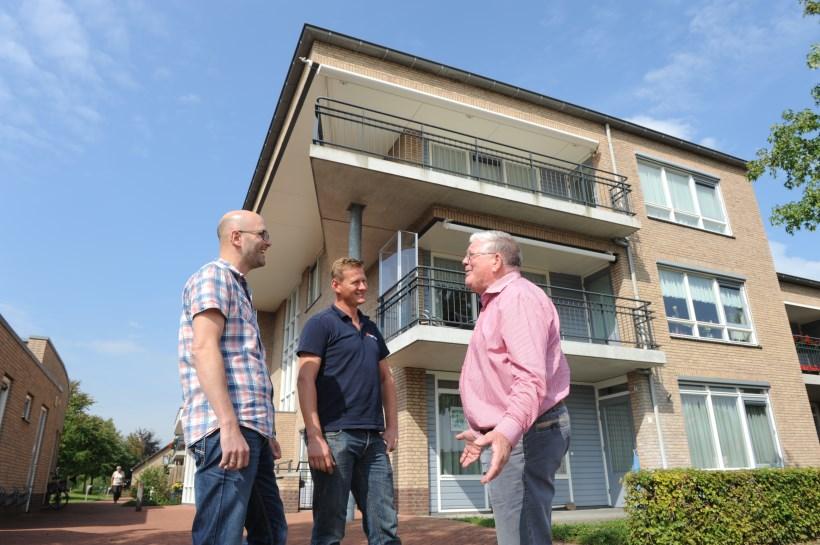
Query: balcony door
{"x": 453, "y": 304}
{"x": 602, "y": 310}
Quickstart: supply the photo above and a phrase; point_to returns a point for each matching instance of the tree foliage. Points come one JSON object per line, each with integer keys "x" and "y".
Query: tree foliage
{"x": 142, "y": 443}
{"x": 91, "y": 445}
{"x": 795, "y": 151}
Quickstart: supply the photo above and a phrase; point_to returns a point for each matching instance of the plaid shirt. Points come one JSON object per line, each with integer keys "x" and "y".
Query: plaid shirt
{"x": 219, "y": 285}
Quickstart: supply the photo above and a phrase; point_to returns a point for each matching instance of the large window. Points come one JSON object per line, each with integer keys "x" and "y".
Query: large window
{"x": 314, "y": 284}
{"x": 702, "y": 306}
{"x": 729, "y": 427}
{"x": 683, "y": 197}
{"x": 29, "y": 401}
{"x": 287, "y": 396}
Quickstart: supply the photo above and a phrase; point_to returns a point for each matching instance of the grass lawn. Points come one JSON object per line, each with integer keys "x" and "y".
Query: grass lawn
{"x": 79, "y": 497}
{"x": 610, "y": 532}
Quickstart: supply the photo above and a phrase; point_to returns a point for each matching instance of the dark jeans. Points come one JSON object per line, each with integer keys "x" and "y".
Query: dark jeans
{"x": 117, "y": 490}
{"x": 362, "y": 467}
{"x": 521, "y": 496}
{"x": 227, "y": 501}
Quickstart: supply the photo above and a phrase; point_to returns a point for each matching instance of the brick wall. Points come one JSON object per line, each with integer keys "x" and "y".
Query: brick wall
{"x": 410, "y": 458}
{"x": 47, "y": 382}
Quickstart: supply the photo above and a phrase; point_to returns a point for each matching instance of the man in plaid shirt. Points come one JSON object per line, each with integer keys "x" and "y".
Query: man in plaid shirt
{"x": 227, "y": 412}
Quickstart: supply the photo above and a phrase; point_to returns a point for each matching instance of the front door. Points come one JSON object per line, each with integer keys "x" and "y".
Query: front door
{"x": 619, "y": 443}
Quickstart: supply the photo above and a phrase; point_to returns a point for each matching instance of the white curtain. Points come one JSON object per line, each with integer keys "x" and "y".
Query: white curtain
{"x": 703, "y": 297}
{"x": 729, "y": 431}
{"x": 733, "y": 305}
{"x": 698, "y": 431}
{"x": 651, "y": 184}
{"x": 679, "y": 189}
{"x": 762, "y": 437}
{"x": 672, "y": 284}
{"x": 709, "y": 205}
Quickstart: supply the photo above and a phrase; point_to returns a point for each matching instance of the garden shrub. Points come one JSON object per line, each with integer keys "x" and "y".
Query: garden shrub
{"x": 747, "y": 507}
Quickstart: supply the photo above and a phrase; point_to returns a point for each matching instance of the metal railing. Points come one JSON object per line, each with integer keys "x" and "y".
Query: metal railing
{"x": 808, "y": 352}
{"x": 431, "y": 296}
{"x": 348, "y": 126}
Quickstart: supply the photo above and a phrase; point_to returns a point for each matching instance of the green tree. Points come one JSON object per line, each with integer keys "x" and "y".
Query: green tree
{"x": 795, "y": 151}
{"x": 142, "y": 443}
{"x": 91, "y": 445}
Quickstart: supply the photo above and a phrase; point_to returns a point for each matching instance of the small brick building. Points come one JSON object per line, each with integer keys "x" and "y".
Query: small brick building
{"x": 34, "y": 390}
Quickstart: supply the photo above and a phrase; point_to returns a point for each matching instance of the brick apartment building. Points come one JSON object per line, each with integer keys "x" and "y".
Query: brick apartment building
{"x": 34, "y": 393}
{"x": 651, "y": 247}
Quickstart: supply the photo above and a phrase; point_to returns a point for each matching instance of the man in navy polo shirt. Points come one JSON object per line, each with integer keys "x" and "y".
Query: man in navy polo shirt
{"x": 344, "y": 382}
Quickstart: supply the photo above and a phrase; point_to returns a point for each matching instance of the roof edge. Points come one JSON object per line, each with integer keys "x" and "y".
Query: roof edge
{"x": 799, "y": 280}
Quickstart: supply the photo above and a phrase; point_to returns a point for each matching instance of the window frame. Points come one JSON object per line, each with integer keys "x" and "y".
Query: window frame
{"x": 28, "y": 403}
{"x": 5, "y": 394}
{"x": 314, "y": 289}
{"x": 708, "y": 391}
{"x": 290, "y": 344}
{"x": 723, "y": 325}
{"x": 694, "y": 179}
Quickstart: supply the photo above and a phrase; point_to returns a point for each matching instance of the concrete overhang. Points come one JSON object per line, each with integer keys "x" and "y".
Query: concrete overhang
{"x": 443, "y": 349}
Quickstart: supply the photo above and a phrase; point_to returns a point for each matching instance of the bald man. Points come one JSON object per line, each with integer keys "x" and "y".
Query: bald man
{"x": 227, "y": 409}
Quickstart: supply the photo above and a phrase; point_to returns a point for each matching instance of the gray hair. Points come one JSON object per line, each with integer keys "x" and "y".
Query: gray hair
{"x": 502, "y": 243}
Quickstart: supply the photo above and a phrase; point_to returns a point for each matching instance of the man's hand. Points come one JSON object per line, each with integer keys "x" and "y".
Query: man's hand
{"x": 501, "y": 453}
{"x": 471, "y": 450}
{"x": 275, "y": 448}
{"x": 235, "y": 451}
{"x": 391, "y": 438}
{"x": 319, "y": 455}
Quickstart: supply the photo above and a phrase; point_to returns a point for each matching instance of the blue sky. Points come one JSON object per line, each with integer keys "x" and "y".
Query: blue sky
{"x": 127, "y": 128}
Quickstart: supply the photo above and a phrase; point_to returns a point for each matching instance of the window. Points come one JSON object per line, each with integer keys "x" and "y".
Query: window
{"x": 701, "y": 306}
{"x": 287, "y": 396}
{"x": 27, "y": 407}
{"x": 5, "y": 390}
{"x": 314, "y": 284}
{"x": 728, "y": 428}
{"x": 683, "y": 197}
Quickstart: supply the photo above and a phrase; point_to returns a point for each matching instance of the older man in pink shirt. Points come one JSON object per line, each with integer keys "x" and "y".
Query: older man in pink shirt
{"x": 513, "y": 383}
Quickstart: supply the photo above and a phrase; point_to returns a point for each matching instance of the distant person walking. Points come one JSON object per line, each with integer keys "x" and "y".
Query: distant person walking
{"x": 227, "y": 410}
{"x": 117, "y": 482}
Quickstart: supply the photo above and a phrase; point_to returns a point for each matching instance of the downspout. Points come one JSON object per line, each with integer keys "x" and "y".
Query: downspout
{"x": 354, "y": 236}
{"x": 625, "y": 243}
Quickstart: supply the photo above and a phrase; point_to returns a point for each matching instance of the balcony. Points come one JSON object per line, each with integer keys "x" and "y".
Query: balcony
{"x": 438, "y": 164}
{"x": 808, "y": 353}
{"x": 428, "y": 316}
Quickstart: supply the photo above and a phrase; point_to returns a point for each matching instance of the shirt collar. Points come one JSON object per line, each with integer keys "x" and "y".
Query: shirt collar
{"x": 498, "y": 286}
{"x": 227, "y": 265}
{"x": 340, "y": 313}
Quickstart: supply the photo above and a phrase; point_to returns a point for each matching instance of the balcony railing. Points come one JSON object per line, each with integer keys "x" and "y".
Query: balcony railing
{"x": 430, "y": 296}
{"x": 395, "y": 138}
{"x": 808, "y": 352}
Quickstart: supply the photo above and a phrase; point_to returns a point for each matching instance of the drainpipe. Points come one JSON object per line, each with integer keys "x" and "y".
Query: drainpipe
{"x": 661, "y": 445}
{"x": 354, "y": 237}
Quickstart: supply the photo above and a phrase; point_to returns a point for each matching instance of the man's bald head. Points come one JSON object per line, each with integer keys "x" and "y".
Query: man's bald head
{"x": 236, "y": 220}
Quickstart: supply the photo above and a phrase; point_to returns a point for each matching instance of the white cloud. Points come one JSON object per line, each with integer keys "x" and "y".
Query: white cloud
{"x": 114, "y": 347}
{"x": 670, "y": 126}
{"x": 709, "y": 142}
{"x": 190, "y": 98}
{"x": 793, "y": 265}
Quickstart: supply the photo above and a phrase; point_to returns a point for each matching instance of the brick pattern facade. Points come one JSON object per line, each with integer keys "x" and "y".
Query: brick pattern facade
{"x": 410, "y": 458}
{"x": 35, "y": 369}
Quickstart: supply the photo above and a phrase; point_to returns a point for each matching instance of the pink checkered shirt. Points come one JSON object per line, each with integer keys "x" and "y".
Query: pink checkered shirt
{"x": 514, "y": 369}
{"x": 219, "y": 285}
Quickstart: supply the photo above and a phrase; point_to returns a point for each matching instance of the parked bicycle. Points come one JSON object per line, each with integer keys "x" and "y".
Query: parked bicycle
{"x": 57, "y": 494}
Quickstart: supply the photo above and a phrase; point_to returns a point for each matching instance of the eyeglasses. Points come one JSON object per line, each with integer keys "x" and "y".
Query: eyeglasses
{"x": 264, "y": 235}
{"x": 469, "y": 257}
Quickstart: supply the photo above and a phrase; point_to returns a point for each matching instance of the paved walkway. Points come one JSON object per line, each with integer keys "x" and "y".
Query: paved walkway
{"x": 103, "y": 523}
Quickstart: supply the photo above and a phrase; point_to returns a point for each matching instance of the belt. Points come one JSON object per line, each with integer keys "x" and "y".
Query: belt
{"x": 544, "y": 420}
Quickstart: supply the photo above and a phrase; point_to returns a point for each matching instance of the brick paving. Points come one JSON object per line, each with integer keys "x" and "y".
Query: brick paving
{"x": 103, "y": 523}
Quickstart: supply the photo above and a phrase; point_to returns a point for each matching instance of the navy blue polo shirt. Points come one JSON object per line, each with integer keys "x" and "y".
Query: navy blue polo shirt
{"x": 348, "y": 386}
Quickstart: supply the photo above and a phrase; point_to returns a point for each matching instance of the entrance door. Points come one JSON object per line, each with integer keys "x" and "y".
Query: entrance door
{"x": 619, "y": 442}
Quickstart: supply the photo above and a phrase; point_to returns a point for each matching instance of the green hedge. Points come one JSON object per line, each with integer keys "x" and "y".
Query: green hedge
{"x": 749, "y": 507}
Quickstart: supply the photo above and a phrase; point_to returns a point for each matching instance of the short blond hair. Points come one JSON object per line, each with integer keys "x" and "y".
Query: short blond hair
{"x": 337, "y": 270}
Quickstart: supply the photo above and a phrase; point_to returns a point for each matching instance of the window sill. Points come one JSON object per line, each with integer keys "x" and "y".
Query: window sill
{"x": 714, "y": 341}
{"x": 699, "y": 229}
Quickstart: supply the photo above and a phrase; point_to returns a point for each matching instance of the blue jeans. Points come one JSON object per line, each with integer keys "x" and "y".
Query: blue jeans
{"x": 521, "y": 496}
{"x": 227, "y": 501}
{"x": 362, "y": 467}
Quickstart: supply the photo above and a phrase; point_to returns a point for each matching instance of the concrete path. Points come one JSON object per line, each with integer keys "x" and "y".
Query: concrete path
{"x": 103, "y": 523}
